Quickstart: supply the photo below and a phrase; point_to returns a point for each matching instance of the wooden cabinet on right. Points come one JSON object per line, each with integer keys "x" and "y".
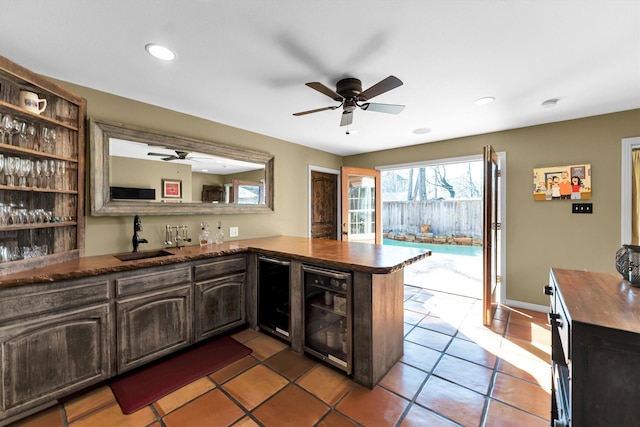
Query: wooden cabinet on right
{"x": 595, "y": 325}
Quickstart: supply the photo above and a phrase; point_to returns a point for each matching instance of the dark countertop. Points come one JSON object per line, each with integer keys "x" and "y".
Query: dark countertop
{"x": 364, "y": 257}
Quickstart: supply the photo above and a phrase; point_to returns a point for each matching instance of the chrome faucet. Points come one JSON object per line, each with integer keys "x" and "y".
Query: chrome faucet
{"x": 136, "y": 240}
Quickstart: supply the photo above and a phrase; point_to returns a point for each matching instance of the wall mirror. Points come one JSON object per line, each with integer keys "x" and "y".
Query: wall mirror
{"x": 141, "y": 171}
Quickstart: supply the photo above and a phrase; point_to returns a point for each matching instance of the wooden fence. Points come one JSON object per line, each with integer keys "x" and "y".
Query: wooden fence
{"x": 445, "y": 217}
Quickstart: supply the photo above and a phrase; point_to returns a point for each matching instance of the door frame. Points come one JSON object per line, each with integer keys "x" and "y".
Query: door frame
{"x": 628, "y": 144}
{"x": 338, "y": 193}
{"x": 502, "y": 206}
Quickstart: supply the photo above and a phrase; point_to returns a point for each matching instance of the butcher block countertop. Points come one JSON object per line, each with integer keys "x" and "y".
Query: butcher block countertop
{"x": 601, "y": 299}
{"x": 364, "y": 257}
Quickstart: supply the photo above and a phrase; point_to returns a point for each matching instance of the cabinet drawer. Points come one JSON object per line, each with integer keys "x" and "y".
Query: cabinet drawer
{"x": 26, "y": 301}
{"x": 147, "y": 280}
{"x": 220, "y": 267}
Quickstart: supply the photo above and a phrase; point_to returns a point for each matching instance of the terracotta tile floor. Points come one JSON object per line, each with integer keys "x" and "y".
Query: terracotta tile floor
{"x": 454, "y": 372}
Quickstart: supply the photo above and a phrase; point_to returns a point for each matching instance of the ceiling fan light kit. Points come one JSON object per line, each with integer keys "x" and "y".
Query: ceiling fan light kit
{"x": 350, "y": 95}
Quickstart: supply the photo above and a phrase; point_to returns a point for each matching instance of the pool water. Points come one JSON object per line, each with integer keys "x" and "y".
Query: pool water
{"x": 441, "y": 249}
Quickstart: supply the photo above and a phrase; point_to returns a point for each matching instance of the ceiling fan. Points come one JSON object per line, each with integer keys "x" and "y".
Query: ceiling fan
{"x": 180, "y": 155}
{"x": 350, "y": 95}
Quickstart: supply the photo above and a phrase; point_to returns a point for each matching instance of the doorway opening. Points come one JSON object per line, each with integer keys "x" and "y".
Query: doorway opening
{"x": 438, "y": 205}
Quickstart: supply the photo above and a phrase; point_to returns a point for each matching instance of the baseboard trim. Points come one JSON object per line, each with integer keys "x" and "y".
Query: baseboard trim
{"x": 526, "y": 305}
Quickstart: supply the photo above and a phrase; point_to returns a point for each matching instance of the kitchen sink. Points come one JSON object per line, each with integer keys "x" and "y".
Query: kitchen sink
{"x": 134, "y": 256}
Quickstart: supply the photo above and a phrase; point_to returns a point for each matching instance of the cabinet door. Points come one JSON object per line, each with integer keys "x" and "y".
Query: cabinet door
{"x": 151, "y": 325}
{"x": 219, "y": 305}
{"x": 52, "y": 356}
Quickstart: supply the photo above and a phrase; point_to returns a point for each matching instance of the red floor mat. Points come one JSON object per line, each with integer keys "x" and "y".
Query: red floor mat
{"x": 138, "y": 389}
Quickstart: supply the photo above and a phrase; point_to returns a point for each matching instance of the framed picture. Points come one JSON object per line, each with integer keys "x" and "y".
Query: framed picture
{"x": 172, "y": 188}
{"x": 571, "y": 182}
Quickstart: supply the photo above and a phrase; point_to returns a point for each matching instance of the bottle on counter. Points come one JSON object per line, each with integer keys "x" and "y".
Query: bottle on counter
{"x": 219, "y": 234}
{"x": 205, "y": 234}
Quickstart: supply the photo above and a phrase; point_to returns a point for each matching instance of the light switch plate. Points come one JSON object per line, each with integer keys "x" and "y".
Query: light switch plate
{"x": 233, "y": 232}
{"x": 582, "y": 208}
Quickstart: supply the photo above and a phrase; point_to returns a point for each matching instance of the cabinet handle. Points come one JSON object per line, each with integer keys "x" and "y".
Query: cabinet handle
{"x": 548, "y": 290}
{"x": 554, "y": 319}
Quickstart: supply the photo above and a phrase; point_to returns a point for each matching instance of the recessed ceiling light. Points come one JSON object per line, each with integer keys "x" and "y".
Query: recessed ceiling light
{"x": 549, "y": 103}
{"x": 421, "y": 131}
{"x": 484, "y": 101}
{"x": 160, "y": 52}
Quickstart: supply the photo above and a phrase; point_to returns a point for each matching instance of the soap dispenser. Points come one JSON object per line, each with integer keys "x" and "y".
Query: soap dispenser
{"x": 219, "y": 234}
{"x": 205, "y": 234}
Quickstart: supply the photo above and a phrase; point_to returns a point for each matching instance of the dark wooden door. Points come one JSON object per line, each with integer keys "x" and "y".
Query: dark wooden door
{"x": 324, "y": 205}
{"x": 491, "y": 228}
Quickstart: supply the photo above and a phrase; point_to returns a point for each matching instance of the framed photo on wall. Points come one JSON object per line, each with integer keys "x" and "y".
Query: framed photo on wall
{"x": 172, "y": 188}
{"x": 571, "y": 182}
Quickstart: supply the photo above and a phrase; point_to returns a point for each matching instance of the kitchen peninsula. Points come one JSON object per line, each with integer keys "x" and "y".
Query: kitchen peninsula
{"x": 77, "y": 322}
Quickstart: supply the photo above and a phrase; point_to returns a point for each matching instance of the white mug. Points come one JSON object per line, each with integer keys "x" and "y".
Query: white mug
{"x": 29, "y": 101}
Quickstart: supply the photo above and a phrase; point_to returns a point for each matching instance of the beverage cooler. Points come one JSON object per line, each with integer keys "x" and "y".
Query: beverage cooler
{"x": 327, "y": 315}
{"x": 273, "y": 296}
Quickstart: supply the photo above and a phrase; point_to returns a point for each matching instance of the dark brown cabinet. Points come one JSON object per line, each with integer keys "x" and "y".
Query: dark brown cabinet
{"x": 153, "y": 315}
{"x": 55, "y": 339}
{"x": 219, "y": 296}
{"x": 595, "y": 322}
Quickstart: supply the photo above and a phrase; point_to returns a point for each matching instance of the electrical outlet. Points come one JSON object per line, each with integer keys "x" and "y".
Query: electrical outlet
{"x": 233, "y": 232}
{"x": 582, "y": 208}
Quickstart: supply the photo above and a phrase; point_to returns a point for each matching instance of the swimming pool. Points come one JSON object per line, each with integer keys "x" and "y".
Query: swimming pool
{"x": 442, "y": 249}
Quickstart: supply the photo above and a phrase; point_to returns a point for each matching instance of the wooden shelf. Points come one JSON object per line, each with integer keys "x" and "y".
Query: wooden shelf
{"x": 66, "y": 113}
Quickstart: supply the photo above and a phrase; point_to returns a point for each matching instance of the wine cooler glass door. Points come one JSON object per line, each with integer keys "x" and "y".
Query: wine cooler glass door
{"x": 327, "y": 311}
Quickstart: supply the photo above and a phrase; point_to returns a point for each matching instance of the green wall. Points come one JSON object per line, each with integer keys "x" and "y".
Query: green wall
{"x": 539, "y": 235}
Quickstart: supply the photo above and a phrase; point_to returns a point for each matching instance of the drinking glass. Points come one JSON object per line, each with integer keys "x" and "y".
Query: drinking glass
{"x": 1, "y": 165}
{"x": 45, "y": 173}
{"x": 25, "y": 166}
{"x": 19, "y": 137}
{"x": 37, "y": 173}
{"x": 9, "y": 169}
{"x": 32, "y": 141}
{"x": 17, "y": 161}
{"x": 60, "y": 173}
{"x": 52, "y": 171}
{"x": 5, "y": 128}
{"x": 48, "y": 139}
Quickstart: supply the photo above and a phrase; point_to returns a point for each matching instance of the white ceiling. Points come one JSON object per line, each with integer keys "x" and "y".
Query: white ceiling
{"x": 244, "y": 63}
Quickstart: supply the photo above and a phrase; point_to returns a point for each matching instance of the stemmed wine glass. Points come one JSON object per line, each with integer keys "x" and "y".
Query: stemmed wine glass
{"x": 5, "y": 127}
{"x": 52, "y": 171}
{"x": 1, "y": 164}
{"x": 60, "y": 173}
{"x": 45, "y": 173}
{"x": 32, "y": 141}
{"x": 25, "y": 167}
{"x": 9, "y": 170}
{"x": 48, "y": 139}
{"x": 37, "y": 174}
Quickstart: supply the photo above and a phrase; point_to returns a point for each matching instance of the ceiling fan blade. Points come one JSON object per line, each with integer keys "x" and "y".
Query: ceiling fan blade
{"x": 383, "y": 108}
{"x": 302, "y": 113}
{"x": 158, "y": 154}
{"x": 167, "y": 159}
{"x": 347, "y": 118}
{"x": 325, "y": 90}
{"x": 381, "y": 87}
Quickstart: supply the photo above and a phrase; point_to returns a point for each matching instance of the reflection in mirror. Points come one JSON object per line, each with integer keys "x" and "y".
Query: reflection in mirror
{"x": 135, "y": 170}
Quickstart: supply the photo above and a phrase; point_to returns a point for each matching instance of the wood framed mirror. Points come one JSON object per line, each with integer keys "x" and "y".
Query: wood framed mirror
{"x": 130, "y": 168}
